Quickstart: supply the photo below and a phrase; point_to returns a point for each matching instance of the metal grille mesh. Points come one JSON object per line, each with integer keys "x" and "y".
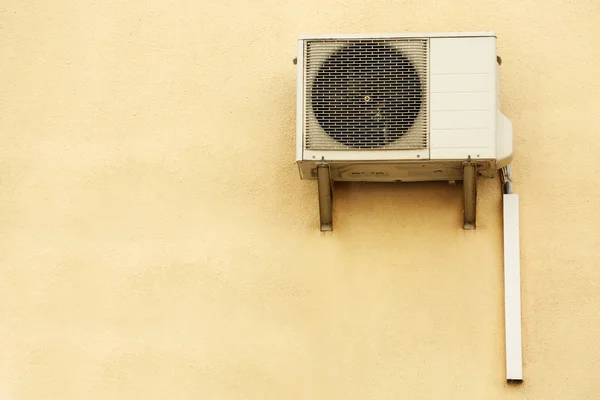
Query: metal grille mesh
{"x": 366, "y": 94}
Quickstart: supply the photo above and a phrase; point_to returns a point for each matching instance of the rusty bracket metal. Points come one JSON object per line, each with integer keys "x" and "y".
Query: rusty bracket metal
{"x": 325, "y": 196}
{"x": 470, "y": 193}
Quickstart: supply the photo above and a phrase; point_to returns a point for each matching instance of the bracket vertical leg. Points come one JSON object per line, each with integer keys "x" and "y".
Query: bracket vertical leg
{"x": 470, "y": 193}
{"x": 325, "y": 197}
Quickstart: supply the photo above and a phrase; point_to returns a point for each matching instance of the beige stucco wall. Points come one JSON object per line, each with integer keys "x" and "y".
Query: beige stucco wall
{"x": 156, "y": 241}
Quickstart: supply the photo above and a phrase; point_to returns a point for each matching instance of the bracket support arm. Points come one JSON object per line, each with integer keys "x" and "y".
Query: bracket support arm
{"x": 325, "y": 197}
{"x": 470, "y": 193}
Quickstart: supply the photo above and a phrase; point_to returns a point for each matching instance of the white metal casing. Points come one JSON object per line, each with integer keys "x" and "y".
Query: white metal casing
{"x": 462, "y": 112}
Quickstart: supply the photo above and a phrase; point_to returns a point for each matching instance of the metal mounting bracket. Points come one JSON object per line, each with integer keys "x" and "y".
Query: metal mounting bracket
{"x": 325, "y": 196}
{"x": 470, "y": 193}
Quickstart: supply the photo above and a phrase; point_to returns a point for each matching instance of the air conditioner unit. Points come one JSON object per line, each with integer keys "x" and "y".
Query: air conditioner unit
{"x": 400, "y": 108}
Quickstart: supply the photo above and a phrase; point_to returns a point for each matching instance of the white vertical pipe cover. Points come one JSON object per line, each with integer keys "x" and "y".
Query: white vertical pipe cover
{"x": 512, "y": 288}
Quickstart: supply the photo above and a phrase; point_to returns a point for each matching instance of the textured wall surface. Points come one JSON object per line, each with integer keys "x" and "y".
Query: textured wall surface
{"x": 156, "y": 241}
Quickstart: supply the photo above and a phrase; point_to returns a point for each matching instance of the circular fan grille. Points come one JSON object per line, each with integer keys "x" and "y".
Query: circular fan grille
{"x": 366, "y": 95}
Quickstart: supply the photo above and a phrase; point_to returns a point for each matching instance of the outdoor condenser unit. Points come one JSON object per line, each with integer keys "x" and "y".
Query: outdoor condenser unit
{"x": 400, "y": 108}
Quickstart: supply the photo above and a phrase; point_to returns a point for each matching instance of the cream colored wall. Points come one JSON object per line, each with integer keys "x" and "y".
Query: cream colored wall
{"x": 157, "y": 243}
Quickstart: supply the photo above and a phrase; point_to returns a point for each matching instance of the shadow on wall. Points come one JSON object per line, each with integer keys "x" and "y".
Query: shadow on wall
{"x": 414, "y": 205}
{"x": 435, "y": 207}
